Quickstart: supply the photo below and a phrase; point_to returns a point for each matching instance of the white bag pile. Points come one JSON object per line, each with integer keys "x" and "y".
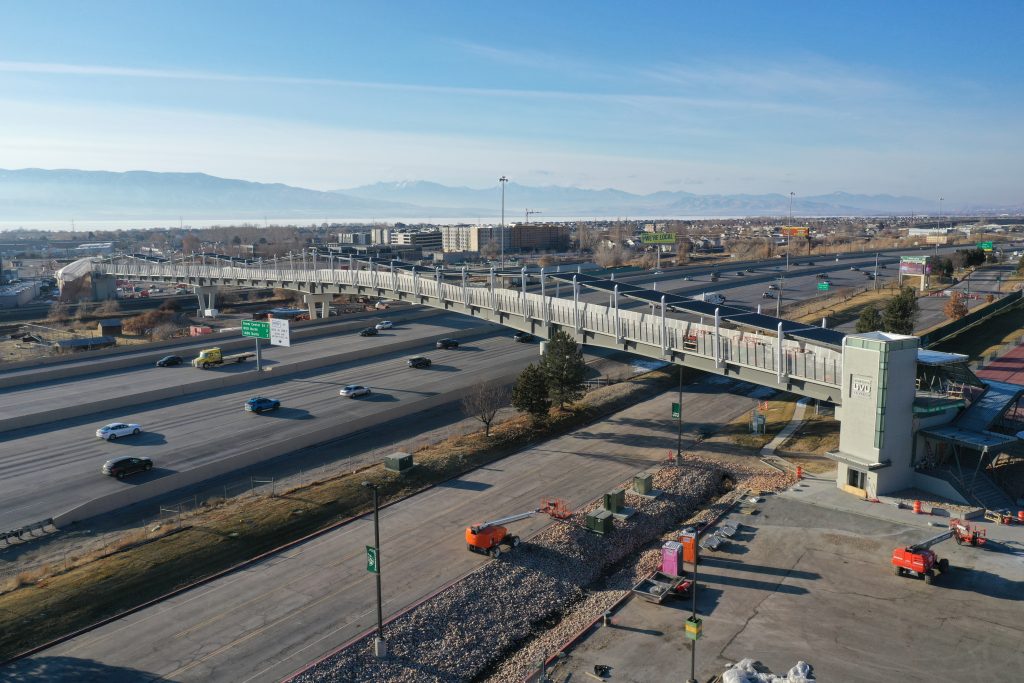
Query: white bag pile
{"x": 752, "y": 671}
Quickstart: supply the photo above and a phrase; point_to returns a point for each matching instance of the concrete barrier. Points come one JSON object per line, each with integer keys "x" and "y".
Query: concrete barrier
{"x": 131, "y": 356}
{"x": 219, "y": 381}
{"x": 304, "y": 439}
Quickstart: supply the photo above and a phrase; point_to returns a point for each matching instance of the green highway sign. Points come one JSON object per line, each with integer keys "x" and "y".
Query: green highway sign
{"x": 658, "y": 238}
{"x": 675, "y": 410}
{"x": 985, "y": 246}
{"x": 371, "y": 560}
{"x": 914, "y": 259}
{"x": 256, "y": 328}
{"x": 823, "y": 286}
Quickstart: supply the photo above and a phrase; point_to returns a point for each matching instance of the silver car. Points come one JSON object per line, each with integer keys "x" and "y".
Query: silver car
{"x": 354, "y": 390}
{"x": 113, "y": 430}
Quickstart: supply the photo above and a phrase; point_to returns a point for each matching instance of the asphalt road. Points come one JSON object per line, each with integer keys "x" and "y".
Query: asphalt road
{"x": 268, "y": 620}
{"x": 48, "y": 469}
{"x": 55, "y": 394}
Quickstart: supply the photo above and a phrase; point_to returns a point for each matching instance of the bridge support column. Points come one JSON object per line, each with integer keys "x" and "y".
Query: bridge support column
{"x": 207, "y": 298}
{"x": 313, "y": 299}
{"x": 876, "y": 432}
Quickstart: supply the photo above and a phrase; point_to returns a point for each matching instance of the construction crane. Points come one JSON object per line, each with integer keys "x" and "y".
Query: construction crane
{"x": 488, "y": 537}
{"x": 920, "y": 560}
{"x": 530, "y": 213}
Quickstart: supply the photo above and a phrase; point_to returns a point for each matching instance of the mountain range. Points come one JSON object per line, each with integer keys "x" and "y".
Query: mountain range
{"x": 42, "y": 195}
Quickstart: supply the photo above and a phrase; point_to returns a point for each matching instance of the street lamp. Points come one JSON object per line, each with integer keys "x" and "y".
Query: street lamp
{"x": 380, "y": 649}
{"x": 789, "y": 237}
{"x": 503, "y": 180}
{"x": 778, "y": 299}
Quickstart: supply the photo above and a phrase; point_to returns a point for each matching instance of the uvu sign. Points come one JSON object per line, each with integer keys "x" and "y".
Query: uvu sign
{"x": 860, "y": 386}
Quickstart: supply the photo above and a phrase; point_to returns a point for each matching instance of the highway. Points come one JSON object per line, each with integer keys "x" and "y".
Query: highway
{"x": 47, "y": 469}
{"x": 261, "y": 623}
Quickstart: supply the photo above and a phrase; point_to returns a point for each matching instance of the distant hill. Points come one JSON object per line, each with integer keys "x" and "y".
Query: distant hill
{"x": 40, "y": 195}
{"x": 36, "y": 194}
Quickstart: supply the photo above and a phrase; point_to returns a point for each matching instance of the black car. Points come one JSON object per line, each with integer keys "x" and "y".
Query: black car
{"x": 740, "y": 273}
{"x": 168, "y": 361}
{"x": 368, "y": 332}
{"x": 524, "y": 337}
{"x": 419, "y": 362}
{"x": 767, "y": 295}
{"x": 447, "y": 343}
{"x": 122, "y": 467}
{"x": 714, "y": 277}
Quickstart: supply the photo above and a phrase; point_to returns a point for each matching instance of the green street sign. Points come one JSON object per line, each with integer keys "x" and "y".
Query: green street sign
{"x": 371, "y": 560}
{"x": 676, "y": 412}
{"x": 256, "y": 328}
{"x": 658, "y": 238}
{"x": 823, "y": 286}
{"x": 985, "y": 246}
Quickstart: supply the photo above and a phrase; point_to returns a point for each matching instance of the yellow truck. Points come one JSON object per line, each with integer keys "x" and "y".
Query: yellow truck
{"x": 208, "y": 358}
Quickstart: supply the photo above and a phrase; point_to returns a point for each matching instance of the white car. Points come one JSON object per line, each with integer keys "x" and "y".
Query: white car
{"x": 353, "y": 390}
{"x": 115, "y": 429}
{"x": 384, "y": 325}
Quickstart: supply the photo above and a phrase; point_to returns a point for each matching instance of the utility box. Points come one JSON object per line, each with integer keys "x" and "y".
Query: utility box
{"x": 398, "y": 462}
{"x": 643, "y": 483}
{"x": 615, "y": 500}
{"x": 672, "y": 558}
{"x": 688, "y": 541}
{"x": 599, "y": 521}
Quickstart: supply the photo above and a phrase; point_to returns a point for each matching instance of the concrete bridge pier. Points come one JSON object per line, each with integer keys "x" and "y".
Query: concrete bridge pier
{"x": 207, "y": 297}
{"x": 311, "y": 303}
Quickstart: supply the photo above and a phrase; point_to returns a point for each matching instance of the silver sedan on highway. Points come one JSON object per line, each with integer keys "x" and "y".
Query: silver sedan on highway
{"x": 115, "y": 429}
{"x": 353, "y": 390}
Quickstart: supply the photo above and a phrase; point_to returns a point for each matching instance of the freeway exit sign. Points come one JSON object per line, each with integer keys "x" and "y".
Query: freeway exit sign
{"x": 675, "y": 410}
{"x": 985, "y": 246}
{"x": 256, "y": 328}
{"x": 371, "y": 560}
{"x": 823, "y": 286}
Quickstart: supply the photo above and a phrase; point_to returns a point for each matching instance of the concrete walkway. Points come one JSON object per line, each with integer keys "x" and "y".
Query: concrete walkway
{"x": 787, "y": 431}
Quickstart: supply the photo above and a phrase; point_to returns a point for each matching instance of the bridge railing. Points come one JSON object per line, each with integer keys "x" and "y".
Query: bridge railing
{"x": 751, "y": 349}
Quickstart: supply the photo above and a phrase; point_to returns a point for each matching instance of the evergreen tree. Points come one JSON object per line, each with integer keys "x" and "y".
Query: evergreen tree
{"x": 869, "y": 320}
{"x": 563, "y": 369}
{"x": 900, "y": 312}
{"x": 530, "y": 394}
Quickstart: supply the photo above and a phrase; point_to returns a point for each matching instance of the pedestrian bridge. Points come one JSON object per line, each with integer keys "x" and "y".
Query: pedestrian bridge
{"x": 714, "y": 338}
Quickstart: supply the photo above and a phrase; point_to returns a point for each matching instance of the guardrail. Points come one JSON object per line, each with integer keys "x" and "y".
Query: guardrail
{"x": 9, "y": 537}
{"x": 936, "y": 335}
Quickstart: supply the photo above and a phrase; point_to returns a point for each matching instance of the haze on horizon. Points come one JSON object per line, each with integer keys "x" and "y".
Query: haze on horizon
{"x": 921, "y": 98}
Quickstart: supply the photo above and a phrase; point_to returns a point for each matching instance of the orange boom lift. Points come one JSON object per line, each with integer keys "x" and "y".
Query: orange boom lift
{"x": 488, "y": 537}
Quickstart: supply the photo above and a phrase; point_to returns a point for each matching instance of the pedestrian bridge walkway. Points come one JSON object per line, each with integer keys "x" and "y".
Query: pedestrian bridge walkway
{"x": 723, "y": 340}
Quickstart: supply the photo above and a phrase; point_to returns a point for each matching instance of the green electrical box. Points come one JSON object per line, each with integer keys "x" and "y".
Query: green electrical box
{"x": 599, "y": 521}
{"x": 615, "y": 500}
{"x": 643, "y": 483}
{"x": 398, "y": 462}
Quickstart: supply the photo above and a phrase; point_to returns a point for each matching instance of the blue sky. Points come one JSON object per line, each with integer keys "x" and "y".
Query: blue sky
{"x": 918, "y": 98}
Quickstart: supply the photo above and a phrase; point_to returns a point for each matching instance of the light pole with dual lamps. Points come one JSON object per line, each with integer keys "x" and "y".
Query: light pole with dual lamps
{"x": 503, "y": 180}
{"x": 380, "y": 648}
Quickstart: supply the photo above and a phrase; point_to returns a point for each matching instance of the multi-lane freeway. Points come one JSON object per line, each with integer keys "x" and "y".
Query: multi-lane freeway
{"x": 50, "y": 468}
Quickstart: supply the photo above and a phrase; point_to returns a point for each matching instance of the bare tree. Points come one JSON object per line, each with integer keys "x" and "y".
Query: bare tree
{"x": 484, "y": 401}
{"x": 108, "y": 307}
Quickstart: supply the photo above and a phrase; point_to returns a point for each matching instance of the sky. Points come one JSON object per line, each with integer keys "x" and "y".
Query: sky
{"x": 918, "y": 98}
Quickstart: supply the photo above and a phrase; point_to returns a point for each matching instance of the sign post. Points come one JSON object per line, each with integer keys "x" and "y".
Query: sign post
{"x": 371, "y": 560}
{"x": 258, "y": 329}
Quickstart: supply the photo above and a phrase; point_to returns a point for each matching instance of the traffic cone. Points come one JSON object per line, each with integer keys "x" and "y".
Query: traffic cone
{"x": 1020, "y": 516}
{"x": 799, "y": 473}
{"x": 917, "y": 507}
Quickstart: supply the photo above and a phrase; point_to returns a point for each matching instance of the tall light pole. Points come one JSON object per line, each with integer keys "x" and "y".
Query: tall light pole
{"x": 380, "y": 648}
{"x": 503, "y": 180}
{"x": 789, "y": 237}
{"x": 778, "y": 299}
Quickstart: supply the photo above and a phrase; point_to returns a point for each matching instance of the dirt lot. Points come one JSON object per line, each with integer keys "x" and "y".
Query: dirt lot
{"x": 808, "y": 578}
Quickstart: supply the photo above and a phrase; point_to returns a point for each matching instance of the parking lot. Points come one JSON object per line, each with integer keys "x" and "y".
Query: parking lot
{"x": 808, "y": 578}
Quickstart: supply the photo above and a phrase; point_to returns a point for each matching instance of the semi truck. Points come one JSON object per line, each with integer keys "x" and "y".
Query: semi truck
{"x": 208, "y": 358}
{"x": 710, "y": 297}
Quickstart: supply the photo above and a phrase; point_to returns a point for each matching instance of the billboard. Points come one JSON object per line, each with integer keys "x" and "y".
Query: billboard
{"x": 795, "y": 231}
{"x": 914, "y": 265}
{"x": 658, "y": 238}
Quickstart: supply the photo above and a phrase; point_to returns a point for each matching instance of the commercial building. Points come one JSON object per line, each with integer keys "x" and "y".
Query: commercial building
{"x": 517, "y": 236}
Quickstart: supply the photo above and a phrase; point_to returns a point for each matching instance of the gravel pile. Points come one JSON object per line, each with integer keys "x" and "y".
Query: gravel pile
{"x": 464, "y": 632}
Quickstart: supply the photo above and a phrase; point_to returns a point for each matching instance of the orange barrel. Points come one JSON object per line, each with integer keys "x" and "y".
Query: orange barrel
{"x": 799, "y": 472}
{"x": 1020, "y": 516}
{"x": 917, "y": 507}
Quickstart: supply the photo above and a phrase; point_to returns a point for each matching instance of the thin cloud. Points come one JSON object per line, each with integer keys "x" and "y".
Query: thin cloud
{"x": 624, "y": 99}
